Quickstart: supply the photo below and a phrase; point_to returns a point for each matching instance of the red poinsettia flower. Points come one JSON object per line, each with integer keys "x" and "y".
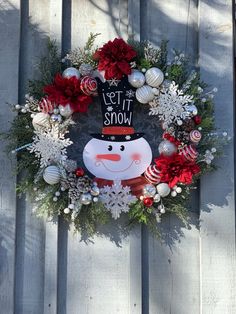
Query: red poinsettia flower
{"x": 114, "y": 58}
{"x": 176, "y": 168}
{"x": 65, "y": 91}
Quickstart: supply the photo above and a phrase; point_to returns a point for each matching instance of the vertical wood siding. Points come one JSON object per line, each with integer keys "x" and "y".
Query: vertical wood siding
{"x": 44, "y": 267}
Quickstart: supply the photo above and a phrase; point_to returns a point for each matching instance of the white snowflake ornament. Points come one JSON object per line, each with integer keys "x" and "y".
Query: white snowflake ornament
{"x": 50, "y": 146}
{"x": 117, "y": 198}
{"x": 170, "y": 105}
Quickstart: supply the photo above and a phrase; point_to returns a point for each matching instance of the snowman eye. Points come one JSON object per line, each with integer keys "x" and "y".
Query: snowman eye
{"x": 122, "y": 148}
{"x": 109, "y": 148}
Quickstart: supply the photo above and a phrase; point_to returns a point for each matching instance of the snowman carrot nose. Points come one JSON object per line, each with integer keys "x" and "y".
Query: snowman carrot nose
{"x": 113, "y": 157}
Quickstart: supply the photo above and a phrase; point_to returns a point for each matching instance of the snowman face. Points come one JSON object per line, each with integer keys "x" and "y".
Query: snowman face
{"x": 117, "y": 160}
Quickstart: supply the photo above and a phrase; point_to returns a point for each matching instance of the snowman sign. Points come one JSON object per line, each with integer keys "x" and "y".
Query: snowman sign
{"x": 118, "y": 152}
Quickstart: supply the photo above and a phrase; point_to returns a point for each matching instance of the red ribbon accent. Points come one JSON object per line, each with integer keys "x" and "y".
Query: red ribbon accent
{"x": 117, "y": 130}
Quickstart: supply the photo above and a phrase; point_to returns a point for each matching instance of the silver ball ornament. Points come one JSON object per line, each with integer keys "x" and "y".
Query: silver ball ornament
{"x": 156, "y": 198}
{"x": 69, "y": 72}
{"x": 149, "y": 190}
{"x": 65, "y": 111}
{"x": 94, "y": 191}
{"x": 56, "y": 118}
{"x": 192, "y": 110}
{"x": 136, "y": 79}
{"x": 167, "y": 148}
{"x": 86, "y": 199}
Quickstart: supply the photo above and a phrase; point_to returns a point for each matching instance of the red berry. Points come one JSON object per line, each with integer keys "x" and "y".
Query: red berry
{"x": 148, "y": 201}
{"x": 79, "y": 172}
{"x": 197, "y": 119}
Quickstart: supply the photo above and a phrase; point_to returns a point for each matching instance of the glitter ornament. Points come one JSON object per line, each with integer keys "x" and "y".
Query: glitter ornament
{"x": 189, "y": 152}
{"x": 65, "y": 111}
{"x": 86, "y": 199}
{"x": 88, "y": 85}
{"x": 144, "y": 94}
{"x": 152, "y": 174}
{"x": 46, "y": 106}
{"x": 149, "y": 190}
{"x": 195, "y": 136}
{"x": 148, "y": 201}
{"x": 163, "y": 189}
{"x": 136, "y": 79}
{"x": 167, "y": 148}
{"x": 41, "y": 120}
{"x": 86, "y": 69}
{"x": 70, "y": 72}
{"x": 192, "y": 110}
{"x": 154, "y": 77}
{"x": 51, "y": 175}
{"x": 79, "y": 172}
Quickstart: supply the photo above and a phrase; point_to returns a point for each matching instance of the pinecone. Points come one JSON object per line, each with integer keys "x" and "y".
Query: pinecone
{"x": 84, "y": 184}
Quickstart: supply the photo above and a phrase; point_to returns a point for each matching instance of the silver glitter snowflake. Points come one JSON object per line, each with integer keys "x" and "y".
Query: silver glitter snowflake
{"x": 130, "y": 93}
{"x": 50, "y": 146}
{"x": 117, "y": 198}
{"x": 171, "y": 105}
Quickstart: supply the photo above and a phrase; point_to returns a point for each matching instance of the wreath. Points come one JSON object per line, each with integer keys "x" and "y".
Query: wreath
{"x": 118, "y": 173}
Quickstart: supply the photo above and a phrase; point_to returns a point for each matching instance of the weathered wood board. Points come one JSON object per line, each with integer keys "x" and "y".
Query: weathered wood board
{"x": 44, "y": 267}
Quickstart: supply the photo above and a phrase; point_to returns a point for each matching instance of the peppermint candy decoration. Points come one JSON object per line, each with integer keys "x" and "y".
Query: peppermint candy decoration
{"x": 152, "y": 174}
{"x": 189, "y": 152}
{"x": 195, "y": 136}
{"x": 88, "y": 85}
{"x": 46, "y": 106}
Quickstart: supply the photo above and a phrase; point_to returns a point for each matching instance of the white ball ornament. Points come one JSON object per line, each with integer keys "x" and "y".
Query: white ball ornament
{"x": 154, "y": 77}
{"x": 178, "y": 190}
{"x": 51, "y": 175}
{"x": 40, "y": 120}
{"x": 163, "y": 189}
{"x": 65, "y": 111}
{"x": 173, "y": 193}
{"x": 156, "y": 198}
{"x": 67, "y": 210}
{"x": 167, "y": 148}
{"x": 144, "y": 94}
{"x": 136, "y": 79}
{"x": 69, "y": 72}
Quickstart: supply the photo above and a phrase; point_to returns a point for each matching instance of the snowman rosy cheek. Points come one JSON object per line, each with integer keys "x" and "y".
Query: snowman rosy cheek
{"x": 136, "y": 157}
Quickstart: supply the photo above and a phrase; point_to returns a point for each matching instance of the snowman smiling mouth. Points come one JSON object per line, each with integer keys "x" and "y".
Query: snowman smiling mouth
{"x": 112, "y": 157}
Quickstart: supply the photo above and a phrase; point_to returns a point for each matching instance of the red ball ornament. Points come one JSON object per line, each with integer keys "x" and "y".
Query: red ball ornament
{"x": 79, "y": 172}
{"x": 148, "y": 201}
{"x": 197, "y": 119}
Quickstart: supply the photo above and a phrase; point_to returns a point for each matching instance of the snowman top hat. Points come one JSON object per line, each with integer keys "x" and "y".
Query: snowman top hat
{"x": 117, "y": 98}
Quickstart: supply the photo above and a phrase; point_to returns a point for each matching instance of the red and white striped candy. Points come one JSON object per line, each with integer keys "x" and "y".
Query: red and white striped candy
{"x": 46, "y": 106}
{"x": 152, "y": 174}
{"x": 88, "y": 85}
{"x": 189, "y": 152}
{"x": 195, "y": 136}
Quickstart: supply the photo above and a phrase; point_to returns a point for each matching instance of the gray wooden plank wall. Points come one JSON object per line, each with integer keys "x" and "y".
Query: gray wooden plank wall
{"x": 44, "y": 268}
